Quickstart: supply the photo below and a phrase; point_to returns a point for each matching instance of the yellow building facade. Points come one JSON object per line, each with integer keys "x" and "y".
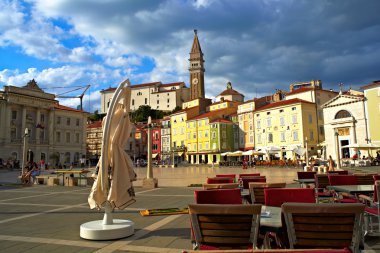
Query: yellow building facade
{"x": 285, "y": 125}
{"x": 372, "y": 111}
{"x": 246, "y": 125}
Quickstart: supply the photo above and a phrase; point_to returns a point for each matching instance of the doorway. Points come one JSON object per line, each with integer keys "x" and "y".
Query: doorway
{"x": 345, "y": 151}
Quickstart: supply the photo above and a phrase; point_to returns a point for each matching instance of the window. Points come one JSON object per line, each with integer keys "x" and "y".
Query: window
{"x": 251, "y": 139}
{"x": 213, "y": 135}
{"x": 240, "y": 117}
{"x": 268, "y": 113}
{"x": 195, "y": 147}
{"x": 282, "y": 136}
{"x": 281, "y": 110}
{"x": 194, "y": 135}
{"x": 200, "y": 123}
{"x": 259, "y": 138}
{"x": 206, "y": 133}
{"x": 133, "y": 102}
{"x": 322, "y": 130}
{"x": 175, "y": 131}
{"x": 200, "y": 134}
{"x": 295, "y": 135}
{"x": 168, "y": 100}
{"x": 42, "y": 118}
{"x": 14, "y": 115}
{"x": 342, "y": 114}
{"x": 224, "y": 134}
{"x": 77, "y": 122}
{"x": 76, "y": 137}
{"x": 58, "y": 137}
{"x": 294, "y": 108}
{"x": 294, "y": 118}
{"x": 200, "y": 146}
{"x": 270, "y": 137}
{"x": 269, "y": 122}
{"x": 320, "y": 114}
{"x": 188, "y": 147}
{"x": 282, "y": 121}
{"x": 310, "y": 118}
{"x": 311, "y": 135}
{"x": 158, "y": 101}
{"x": 68, "y": 121}
{"x": 156, "y": 136}
{"x": 182, "y": 130}
{"x": 258, "y": 124}
{"x": 146, "y": 101}
{"x": 13, "y": 133}
{"x": 68, "y": 137}
{"x": 182, "y": 143}
{"x": 58, "y": 120}
{"x": 188, "y": 135}
{"x": 251, "y": 126}
{"x": 206, "y": 145}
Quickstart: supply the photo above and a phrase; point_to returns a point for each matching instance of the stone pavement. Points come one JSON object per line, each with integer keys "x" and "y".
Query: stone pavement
{"x": 44, "y": 218}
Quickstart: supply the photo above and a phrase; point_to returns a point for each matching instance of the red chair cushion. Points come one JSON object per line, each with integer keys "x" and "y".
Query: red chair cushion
{"x": 219, "y": 180}
{"x": 277, "y": 196}
{"x": 249, "y": 175}
{"x": 342, "y": 180}
{"x": 306, "y": 174}
{"x": 218, "y": 196}
{"x": 372, "y": 210}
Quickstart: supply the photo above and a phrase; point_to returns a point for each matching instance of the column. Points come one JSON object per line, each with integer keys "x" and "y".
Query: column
{"x": 8, "y": 113}
{"x": 50, "y": 127}
{"x": 38, "y": 130}
{"x": 353, "y": 133}
{"x": 2, "y": 122}
{"x": 23, "y": 119}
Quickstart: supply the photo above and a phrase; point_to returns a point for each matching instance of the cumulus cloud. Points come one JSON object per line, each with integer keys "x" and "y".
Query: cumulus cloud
{"x": 257, "y": 45}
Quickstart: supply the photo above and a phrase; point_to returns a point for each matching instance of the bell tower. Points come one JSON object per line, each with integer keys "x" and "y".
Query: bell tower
{"x": 197, "y": 87}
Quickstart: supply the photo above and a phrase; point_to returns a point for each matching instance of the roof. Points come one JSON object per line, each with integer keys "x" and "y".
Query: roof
{"x": 62, "y": 107}
{"x": 96, "y": 124}
{"x": 183, "y": 110}
{"x": 109, "y": 89}
{"x": 221, "y": 121}
{"x": 144, "y": 85}
{"x": 230, "y": 92}
{"x": 283, "y": 103}
{"x": 300, "y": 90}
{"x": 171, "y": 84}
{"x": 372, "y": 85}
{"x": 207, "y": 114}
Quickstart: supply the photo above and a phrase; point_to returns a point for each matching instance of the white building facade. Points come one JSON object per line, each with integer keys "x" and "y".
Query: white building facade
{"x": 56, "y": 133}
{"x": 158, "y": 96}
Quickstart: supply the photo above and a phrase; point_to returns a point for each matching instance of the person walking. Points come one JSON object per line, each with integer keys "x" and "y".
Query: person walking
{"x": 331, "y": 164}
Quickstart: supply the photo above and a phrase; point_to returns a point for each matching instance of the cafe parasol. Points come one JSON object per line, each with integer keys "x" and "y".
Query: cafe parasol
{"x": 113, "y": 186}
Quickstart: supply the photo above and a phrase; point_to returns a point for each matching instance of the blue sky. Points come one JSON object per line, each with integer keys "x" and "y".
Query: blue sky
{"x": 259, "y": 45}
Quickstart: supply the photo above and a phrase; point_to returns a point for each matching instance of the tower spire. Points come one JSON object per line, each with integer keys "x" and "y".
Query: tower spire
{"x": 196, "y": 69}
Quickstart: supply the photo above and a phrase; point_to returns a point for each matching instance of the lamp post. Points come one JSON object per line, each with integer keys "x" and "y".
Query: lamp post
{"x": 307, "y": 152}
{"x": 24, "y": 154}
{"x": 337, "y": 149}
{"x": 149, "y": 182}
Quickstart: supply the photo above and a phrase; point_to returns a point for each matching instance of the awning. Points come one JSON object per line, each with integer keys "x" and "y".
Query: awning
{"x": 253, "y": 152}
{"x": 154, "y": 155}
{"x": 180, "y": 153}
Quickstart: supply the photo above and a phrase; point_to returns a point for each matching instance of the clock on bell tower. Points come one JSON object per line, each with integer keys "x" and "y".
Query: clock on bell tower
{"x": 197, "y": 70}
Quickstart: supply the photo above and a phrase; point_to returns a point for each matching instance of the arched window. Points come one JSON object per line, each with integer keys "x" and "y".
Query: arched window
{"x": 342, "y": 114}
{"x": 67, "y": 157}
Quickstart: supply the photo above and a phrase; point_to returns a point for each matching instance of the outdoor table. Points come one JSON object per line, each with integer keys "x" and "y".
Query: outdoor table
{"x": 352, "y": 189}
{"x": 271, "y": 222}
{"x": 305, "y": 181}
{"x": 64, "y": 172}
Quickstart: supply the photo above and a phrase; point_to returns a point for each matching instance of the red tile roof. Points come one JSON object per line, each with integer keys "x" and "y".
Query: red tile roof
{"x": 221, "y": 121}
{"x": 207, "y": 114}
{"x": 109, "y": 89}
{"x": 374, "y": 84}
{"x": 62, "y": 107}
{"x": 171, "y": 84}
{"x": 144, "y": 85}
{"x": 300, "y": 90}
{"x": 96, "y": 124}
{"x": 284, "y": 102}
{"x": 229, "y": 92}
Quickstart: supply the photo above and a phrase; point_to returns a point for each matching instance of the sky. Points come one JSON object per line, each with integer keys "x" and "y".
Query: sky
{"x": 259, "y": 46}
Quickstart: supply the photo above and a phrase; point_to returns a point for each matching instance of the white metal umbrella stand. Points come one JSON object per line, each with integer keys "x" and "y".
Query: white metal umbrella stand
{"x": 108, "y": 228}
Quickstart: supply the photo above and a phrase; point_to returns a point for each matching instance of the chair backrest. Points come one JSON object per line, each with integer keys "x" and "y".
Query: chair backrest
{"x": 257, "y": 190}
{"x": 330, "y": 225}
{"x": 225, "y": 226}
{"x": 342, "y": 180}
{"x": 247, "y": 180}
{"x": 218, "y": 196}
{"x": 278, "y": 196}
{"x": 321, "y": 181}
{"x": 220, "y": 186}
{"x": 219, "y": 180}
{"x": 233, "y": 176}
{"x": 249, "y": 175}
{"x": 364, "y": 179}
{"x": 376, "y": 192}
{"x": 339, "y": 172}
{"x": 306, "y": 174}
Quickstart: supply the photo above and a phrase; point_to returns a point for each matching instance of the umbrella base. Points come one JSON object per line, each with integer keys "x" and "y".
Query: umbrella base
{"x": 96, "y": 230}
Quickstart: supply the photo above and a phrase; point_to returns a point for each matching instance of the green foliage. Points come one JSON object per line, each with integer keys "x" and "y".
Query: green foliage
{"x": 144, "y": 111}
{"x": 95, "y": 116}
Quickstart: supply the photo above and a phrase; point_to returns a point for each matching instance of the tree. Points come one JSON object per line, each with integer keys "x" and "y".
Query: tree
{"x": 95, "y": 116}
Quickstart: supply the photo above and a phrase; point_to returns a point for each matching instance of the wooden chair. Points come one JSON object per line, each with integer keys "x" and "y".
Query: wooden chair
{"x": 249, "y": 175}
{"x": 225, "y": 226}
{"x": 306, "y": 174}
{"x": 278, "y": 196}
{"x": 364, "y": 179}
{"x": 344, "y": 180}
{"x": 218, "y": 196}
{"x": 220, "y": 186}
{"x": 256, "y": 190}
{"x": 373, "y": 207}
{"x": 323, "y": 225}
{"x": 321, "y": 193}
{"x": 219, "y": 180}
{"x": 233, "y": 176}
{"x": 247, "y": 180}
{"x": 339, "y": 172}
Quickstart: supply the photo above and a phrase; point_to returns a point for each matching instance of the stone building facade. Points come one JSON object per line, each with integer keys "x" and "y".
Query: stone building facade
{"x": 55, "y": 133}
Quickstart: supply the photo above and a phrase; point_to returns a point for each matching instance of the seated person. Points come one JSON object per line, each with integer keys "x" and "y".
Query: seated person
{"x": 355, "y": 157}
{"x": 26, "y": 176}
{"x": 364, "y": 158}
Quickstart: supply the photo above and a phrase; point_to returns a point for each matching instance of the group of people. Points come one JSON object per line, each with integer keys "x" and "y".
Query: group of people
{"x": 30, "y": 171}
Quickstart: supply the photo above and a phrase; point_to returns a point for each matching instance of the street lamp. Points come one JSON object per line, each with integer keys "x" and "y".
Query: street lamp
{"x": 337, "y": 149}
{"x": 26, "y": 134}
{"x": 307, "y": 152}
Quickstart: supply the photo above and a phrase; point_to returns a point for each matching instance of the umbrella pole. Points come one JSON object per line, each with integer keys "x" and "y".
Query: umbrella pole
{"x": 108, "y": 228}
